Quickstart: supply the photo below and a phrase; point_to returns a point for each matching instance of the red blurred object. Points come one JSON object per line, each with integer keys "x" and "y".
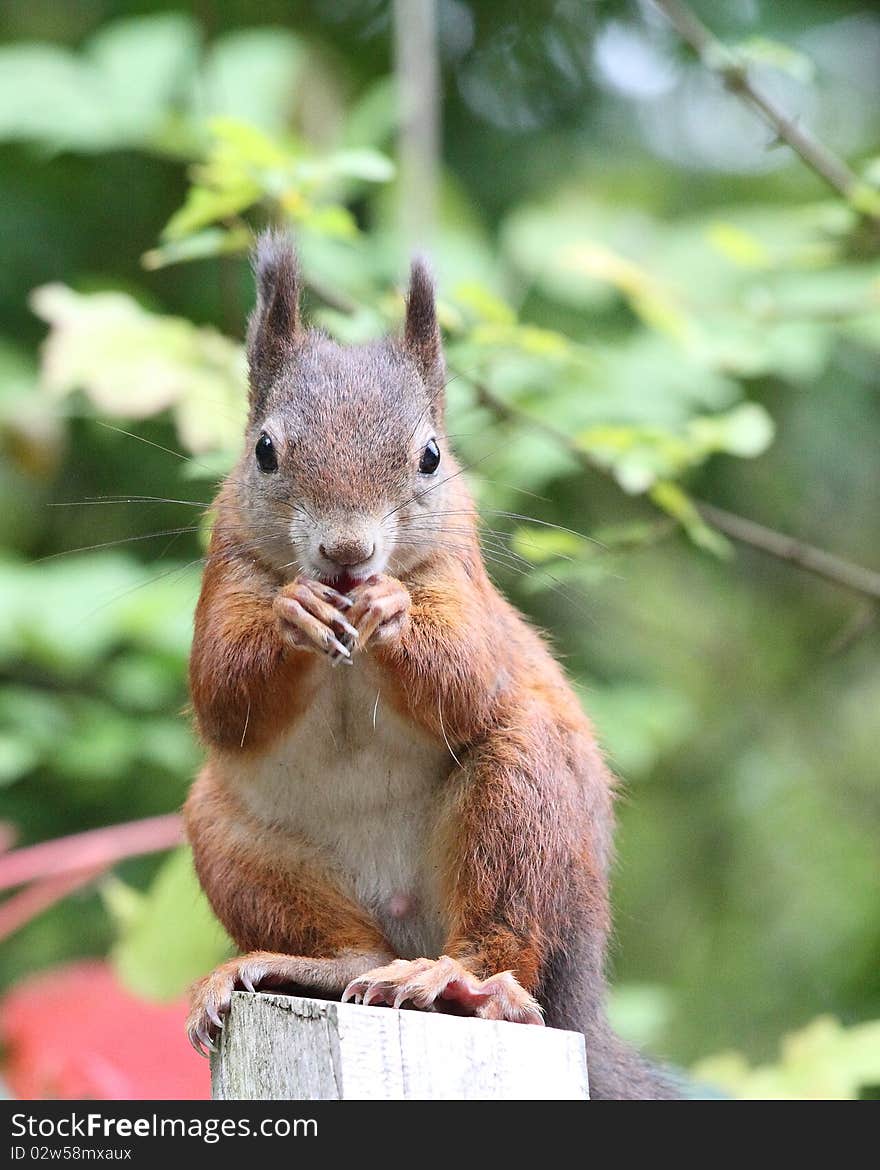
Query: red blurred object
{"x": 75, "y": 1032}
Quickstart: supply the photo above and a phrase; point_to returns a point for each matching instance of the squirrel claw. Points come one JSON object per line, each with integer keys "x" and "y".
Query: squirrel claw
{"x": 211, "y": 999}
{"x": 445, "y": 984}
{"x": 200, "y": 1039}
{"x": 309, "y": 619}
{"x": 381, "y": 609}
{"x": 340, "y": 600}
{"x": 349, "y": 633}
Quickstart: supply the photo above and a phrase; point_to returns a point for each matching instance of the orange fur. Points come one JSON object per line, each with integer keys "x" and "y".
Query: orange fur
{"x": 246, "y": 683}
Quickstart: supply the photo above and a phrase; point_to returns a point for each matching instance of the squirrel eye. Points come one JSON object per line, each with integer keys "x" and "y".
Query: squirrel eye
{"x": 430, "y": 460}
{"x": 267, "y": 457}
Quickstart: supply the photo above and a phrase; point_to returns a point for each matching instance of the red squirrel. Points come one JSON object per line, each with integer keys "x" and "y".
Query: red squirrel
{"x": 403, "y": 802}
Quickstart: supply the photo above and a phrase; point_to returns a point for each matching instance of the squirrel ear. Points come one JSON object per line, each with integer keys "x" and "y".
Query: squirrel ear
{"x": 422, "y": 333}
{"x": 274, "y": 326}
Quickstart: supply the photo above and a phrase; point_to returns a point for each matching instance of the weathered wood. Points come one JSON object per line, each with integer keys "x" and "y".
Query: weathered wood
{"x": 284, "y": 1048}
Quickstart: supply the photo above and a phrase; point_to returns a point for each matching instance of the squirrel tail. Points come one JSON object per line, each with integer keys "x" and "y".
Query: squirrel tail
{"x": 619, "y": 1073}
{"x": 573, "y": 996}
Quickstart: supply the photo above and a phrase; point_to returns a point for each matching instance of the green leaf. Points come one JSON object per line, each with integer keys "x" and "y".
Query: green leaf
{"x": 482, "y": 304}
{"x": 372, "y": 119}
{"x": 66, "y": 616}
{"x": 530, "y": 340}
{"x": 17, "y": 758}
{"x": 678, "y": 504}
{"x": 47, "y": 95}
{"x": 172, "y": 937}
{"x": 90, "y": 101}
{"x": 332, "y": 220}
{"x": 160, "y": 51}
{"x": 123, "y": 902}
{"x": 202, "y": 246}
{"x": 101, "y": 744}
{"x": 170, "y": 744}
{"x": 657, "y": 305}
{"x": 738, "y": 245}
{"x": 245, "y": 166}
{"x": 253, "y": 75}
{"x": 764, "y": 51}
{"x": 135, "y": 364}
{"x": 205, "y": 205}
{"x": 369, "y": 165}
{"x": 140, "y": 682}
{"x": 639, "y": 456}
{"x": 865, "y": 198}
{"x": 746, "y": 431}
{"x": 213, "y": 465}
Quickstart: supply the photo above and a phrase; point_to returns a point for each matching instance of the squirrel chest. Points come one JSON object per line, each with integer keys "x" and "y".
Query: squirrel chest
{"x": 362, "y": 787}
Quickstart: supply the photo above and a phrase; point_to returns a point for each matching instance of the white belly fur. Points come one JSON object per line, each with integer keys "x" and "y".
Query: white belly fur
{"x": 362, "y": 785}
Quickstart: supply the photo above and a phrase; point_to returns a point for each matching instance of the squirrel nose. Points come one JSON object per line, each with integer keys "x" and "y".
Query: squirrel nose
{"x": 347, "y": 552}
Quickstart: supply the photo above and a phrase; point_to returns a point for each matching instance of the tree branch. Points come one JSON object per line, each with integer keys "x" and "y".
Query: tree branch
{"x": 734, "y": 74}
{"x": 796, "y": 552}
{"x": 777, "y": 544}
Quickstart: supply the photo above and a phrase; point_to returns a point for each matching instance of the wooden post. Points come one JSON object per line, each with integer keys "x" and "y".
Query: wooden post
{"x": 283, "y": 1048}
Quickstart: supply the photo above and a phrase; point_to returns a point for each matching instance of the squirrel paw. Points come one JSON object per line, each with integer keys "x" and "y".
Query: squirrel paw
{"x": 310, "y": 618}
{"x": 380, "y": 610}
{"x": 211, "y": 997}
{"x": 445, "y": 985}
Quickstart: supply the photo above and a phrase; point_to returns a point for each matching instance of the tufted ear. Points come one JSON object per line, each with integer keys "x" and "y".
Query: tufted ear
{"x": 422, "y": 333}
{"x": 274, "y": 327}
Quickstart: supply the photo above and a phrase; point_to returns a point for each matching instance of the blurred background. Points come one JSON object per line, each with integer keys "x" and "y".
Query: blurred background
{"x": 651, "y": 305}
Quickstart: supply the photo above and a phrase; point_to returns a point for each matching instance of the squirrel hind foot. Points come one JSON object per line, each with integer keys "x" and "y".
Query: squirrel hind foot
{"x": 211, "y": 997}
{"x": 445, "y": 985}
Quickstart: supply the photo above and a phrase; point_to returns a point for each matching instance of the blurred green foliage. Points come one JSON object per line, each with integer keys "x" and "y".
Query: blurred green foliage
{"x": 692, "y": 323}
{"x": 822, "y": 1062}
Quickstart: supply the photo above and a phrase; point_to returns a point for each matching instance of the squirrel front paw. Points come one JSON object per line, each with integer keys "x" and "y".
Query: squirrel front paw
{"x": 380, "y": 610}
{"x": 310, "y": 617}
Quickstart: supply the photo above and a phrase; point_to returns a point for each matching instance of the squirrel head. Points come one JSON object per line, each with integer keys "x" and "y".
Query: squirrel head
{"x": 345, "y": 469}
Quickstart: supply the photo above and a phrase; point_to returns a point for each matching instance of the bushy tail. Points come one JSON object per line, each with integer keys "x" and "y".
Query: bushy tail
{"x": 619, "y": 1073}
{"x": 574, "y": 998}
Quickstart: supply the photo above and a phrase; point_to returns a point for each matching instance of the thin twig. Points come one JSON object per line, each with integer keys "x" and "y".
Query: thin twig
{"x": 735, "y": 76}
{"x": 777, "y": 544}
{"x": 515, "y": 414}
{"x": 796, "y": 552}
